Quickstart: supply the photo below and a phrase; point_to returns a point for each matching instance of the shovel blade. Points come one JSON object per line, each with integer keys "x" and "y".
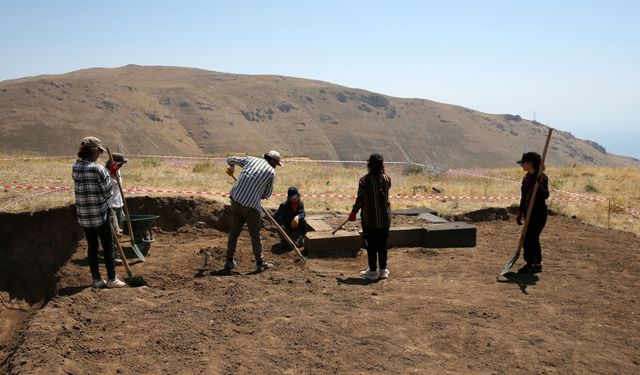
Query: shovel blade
{"x": 136, "y": 250}
{"x": 510, "y": 265}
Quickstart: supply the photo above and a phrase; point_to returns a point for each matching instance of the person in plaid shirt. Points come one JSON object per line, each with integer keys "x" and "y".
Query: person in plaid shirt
{"x": 93, "y": 190}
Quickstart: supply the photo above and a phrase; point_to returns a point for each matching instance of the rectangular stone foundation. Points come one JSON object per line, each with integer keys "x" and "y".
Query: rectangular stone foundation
{"x": 431, "y": 218}
{"x": 406, "y": 237}
{"x": 456, "y": 234}
{"x": 347, "y": 244}
{"x": 415, "y": 211}
{"x": 325, "y": 245}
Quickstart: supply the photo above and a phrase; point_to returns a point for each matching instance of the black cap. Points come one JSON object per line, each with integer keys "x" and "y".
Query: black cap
{"x": 531, "y": 156}
{"x": 117, "y": 158}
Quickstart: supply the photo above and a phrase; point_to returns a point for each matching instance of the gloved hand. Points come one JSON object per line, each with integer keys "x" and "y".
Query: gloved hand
{"x": 231, "y": 170}
{"x": 352, "y": 216}
{"x": 113, "y": 167}
{"x": 541, "y": 180}
{"x": 519, "y": 218}
{"x": 295, "y": 222}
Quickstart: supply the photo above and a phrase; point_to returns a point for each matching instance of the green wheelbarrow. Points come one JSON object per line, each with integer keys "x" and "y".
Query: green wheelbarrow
{"x": 142, "y": 235}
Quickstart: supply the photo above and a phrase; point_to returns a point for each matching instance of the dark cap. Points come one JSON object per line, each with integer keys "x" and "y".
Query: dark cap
{"x": 531, "y": 156}
{"x": 117, "y": 158}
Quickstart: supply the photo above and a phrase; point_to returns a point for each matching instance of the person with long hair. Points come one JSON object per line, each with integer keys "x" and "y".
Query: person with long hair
{"x": 373, "y": 200}
{"x": 531, "y": 163}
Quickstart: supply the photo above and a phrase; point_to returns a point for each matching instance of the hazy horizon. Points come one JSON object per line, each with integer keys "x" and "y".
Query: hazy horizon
{"x": 574, "y": 64}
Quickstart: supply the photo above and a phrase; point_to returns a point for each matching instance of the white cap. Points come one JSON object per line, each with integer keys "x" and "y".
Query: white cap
{"x": 275, "y": 155}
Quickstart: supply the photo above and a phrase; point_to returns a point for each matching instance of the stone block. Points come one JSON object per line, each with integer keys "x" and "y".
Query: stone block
{"x": 343, "y": 244}
{"x": 318, "y": 224}
{"x": 455, "y": 234}
{"x": 431, "y": 218}
{"x": 406, "y": 237}
{"x": 415, "y": 211}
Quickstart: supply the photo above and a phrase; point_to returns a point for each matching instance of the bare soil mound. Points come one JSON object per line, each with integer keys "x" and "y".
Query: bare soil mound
{"x": 442, "y": 311}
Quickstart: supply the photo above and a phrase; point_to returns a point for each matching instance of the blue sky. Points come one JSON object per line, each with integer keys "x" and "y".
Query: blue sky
{"x": 575, "y": 63}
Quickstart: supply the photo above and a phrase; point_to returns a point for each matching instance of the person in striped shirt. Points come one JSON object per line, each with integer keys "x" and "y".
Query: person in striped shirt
{"x": 373, "y": 200}
{"x": 93, "y": 190}
{"x": 254, "y": 184}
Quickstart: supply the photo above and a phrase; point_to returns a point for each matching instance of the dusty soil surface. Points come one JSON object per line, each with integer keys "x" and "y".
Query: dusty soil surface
{"x": 442, "y": 311}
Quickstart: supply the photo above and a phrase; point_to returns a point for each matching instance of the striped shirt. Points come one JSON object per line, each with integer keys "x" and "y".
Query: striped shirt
{"x": 93, "y": 190}
{"x": 255, "y": 181}
{"x": 373, "y": 199}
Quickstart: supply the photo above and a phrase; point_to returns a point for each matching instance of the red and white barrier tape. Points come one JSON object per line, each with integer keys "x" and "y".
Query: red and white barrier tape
{"x": 135, "y": 190}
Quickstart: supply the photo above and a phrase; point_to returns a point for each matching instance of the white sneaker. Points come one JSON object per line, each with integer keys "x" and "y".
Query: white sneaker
{"x": 370, "y": 275}
{"x": 384, "y": 273}
{"x": 98, "y": 283}
{"x": 116, "y": 283}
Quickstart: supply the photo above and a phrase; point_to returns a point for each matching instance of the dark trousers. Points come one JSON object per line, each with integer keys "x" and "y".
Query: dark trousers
{"x": 94, "y": 237}
{"x": 240, "y": 215}
{"x": 375, "y": 241}
{"x": 531, "y": 243}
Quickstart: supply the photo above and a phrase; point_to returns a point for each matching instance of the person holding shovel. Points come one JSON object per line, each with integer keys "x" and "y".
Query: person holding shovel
{"x": 373, "y": 200}
{"x": 291, "y": 216}
{"x": 531, "y": 163}
{"x": 93, "y": 189}
{"x": 254, "y": 184}
{"x": 116, "y": 202}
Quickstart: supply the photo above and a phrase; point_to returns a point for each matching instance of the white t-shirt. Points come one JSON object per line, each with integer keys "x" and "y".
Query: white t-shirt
{"x": 116, "y": 198}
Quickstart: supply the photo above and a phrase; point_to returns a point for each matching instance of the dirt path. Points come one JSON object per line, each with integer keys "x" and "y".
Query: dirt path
{"x": 442, "y": 311}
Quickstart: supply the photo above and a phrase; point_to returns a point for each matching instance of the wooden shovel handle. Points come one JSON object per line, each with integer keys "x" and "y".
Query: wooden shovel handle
{"x": 340, "y": 227}
{"x": 535, "y": 192}
{"x": 124, "y": 201}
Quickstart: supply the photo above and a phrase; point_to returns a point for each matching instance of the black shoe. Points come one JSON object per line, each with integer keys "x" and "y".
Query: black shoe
{"x": 263, "y": 265}
{"x": 300, "y": 241}
{"x": 536, "y": 267}
{"x": 230, "y": 264}
{"x": 527, "y": 268}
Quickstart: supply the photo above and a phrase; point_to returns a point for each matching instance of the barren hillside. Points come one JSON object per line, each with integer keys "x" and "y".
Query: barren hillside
{"x": 181, "y": 111}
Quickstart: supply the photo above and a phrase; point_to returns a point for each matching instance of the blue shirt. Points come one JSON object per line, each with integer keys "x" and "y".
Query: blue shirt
{"x": 255, "y": 182}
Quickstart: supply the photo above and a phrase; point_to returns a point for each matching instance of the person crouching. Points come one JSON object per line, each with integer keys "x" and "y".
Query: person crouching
{"x": 291, "y": 216}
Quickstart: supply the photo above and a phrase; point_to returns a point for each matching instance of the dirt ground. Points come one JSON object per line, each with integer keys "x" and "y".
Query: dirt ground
{"x": 443, "y": 311}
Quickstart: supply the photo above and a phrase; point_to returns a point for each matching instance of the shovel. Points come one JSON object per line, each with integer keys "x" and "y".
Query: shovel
{"x": 340, "y": 227}
{"x": 284, "y": 234}
{"x": 131, "y": 280}
{"x": 134, "y": 246}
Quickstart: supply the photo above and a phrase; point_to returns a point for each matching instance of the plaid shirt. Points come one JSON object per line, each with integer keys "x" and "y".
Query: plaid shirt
{"x": 93, "y": 190}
